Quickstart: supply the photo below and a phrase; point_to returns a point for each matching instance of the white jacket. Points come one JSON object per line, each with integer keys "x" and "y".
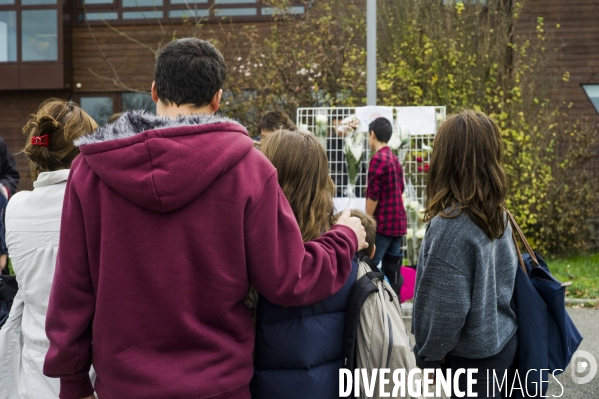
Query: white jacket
{"x": 32, "y": 232}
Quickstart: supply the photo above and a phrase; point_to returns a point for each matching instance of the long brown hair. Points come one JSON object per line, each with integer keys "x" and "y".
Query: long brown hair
{"x": 303, "y": 174}
{"x": 466, "y": 173}
{"x": 63, "y": 122}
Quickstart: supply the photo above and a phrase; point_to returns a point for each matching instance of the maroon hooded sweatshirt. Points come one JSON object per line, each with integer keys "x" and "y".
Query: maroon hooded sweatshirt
{"x": 165, "y": 225}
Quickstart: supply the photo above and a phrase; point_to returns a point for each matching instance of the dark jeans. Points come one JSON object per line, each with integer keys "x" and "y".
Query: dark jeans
{"x": 388, "y": 250}
{"x": 499, "y": 363}
{"x": 386, "y": 245}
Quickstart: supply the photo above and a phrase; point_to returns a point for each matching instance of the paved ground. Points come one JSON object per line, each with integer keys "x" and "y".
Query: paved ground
{"x": 587, "y": 321}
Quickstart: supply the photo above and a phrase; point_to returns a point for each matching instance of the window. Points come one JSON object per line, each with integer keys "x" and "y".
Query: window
{"x": 101, "y": 106}
{"x": 592, "y": 91}
{"x": 131, "y": 10}
{"x": 138, "y": 101}
{"x": 8, "y": 36}
{"x": 31, "y": 47}
{"x": 29, "y": 30}
{"x": 39, "y": 35}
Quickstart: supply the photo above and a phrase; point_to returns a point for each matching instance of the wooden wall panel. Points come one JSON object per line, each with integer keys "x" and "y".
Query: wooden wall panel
{"x": 577, "y": 39}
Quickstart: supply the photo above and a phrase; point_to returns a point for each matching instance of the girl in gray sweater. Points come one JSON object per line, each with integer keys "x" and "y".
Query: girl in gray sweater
{"x": 462, "y": 316}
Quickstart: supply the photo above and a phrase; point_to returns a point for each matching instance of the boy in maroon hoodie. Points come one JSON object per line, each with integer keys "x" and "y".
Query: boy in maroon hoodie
{"x": 183, "y": 189}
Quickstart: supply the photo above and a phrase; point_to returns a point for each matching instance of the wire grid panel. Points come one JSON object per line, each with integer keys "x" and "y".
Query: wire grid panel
{"x": 306, "y": 119}
{"x": 414, "y": 157}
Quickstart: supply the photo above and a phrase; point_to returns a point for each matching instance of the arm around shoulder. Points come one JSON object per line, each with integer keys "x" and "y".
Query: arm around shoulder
{"x": 281, "y": 266}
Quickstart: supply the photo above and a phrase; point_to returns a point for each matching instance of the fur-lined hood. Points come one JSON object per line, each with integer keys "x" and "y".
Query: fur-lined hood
{"x": 135, "y": 122}
{"x": 161, "y": 163}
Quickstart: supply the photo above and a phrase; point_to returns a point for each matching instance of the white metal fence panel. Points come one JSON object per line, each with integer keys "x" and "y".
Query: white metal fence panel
{"x": 422, "y": 124}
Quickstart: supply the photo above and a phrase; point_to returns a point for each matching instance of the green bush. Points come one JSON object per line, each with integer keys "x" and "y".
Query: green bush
{"x": 467, "y": 56}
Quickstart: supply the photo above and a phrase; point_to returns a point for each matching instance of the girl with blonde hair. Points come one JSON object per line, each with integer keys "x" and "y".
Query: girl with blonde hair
{"x": 32, "y": 232}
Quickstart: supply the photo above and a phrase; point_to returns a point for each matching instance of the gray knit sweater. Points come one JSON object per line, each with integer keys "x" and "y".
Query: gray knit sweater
{"x": 464, "y": 287}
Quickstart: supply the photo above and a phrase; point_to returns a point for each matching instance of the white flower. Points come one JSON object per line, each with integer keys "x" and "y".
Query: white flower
{"x": 415, "y": 205}
{"x": 427, "y": 148}
{"x": 440, "y": 118}
{"x": 238, "y": 58}
{"x": 321, "y": 119}
{"x": 404, "y": 134}
{"x": 409, "y": 233}
{"x": 247, "y": 73}
{"x": 420, "y": 234}
{"x": 355, "y": 145}
{"x": 395, "y": 141}
{"x": 302, "y": 71}
{"x": 302, "y": 127}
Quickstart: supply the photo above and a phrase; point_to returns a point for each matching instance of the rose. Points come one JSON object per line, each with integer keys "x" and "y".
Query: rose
{"x": 426, "y": 167}
{"x": 419, "y": 159}
{"x": 420, "y": 234}
{"x": 409, "y": 234}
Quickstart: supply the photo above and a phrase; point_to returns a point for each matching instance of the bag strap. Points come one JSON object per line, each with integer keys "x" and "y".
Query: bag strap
{"x": 520, "y": 260}
{"x": 524, "y": 241}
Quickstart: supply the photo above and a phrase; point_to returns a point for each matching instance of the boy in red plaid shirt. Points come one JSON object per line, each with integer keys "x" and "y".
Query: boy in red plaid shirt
{"x": 384, "y": 202}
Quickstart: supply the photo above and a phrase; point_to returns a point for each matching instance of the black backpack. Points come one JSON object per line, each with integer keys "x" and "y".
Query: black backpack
{"x": 8, "y": 291}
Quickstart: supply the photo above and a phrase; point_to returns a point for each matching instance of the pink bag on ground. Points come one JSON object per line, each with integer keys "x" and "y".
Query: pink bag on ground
{"x": 409, "y": 282}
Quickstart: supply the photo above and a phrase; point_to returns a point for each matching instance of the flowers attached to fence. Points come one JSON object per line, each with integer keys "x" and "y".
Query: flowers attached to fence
{"x": 353, "y": 148}
{"x": 321, "y": 129}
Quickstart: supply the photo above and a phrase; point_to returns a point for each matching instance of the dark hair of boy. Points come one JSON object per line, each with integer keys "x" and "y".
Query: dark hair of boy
{"x": 189, "y": 71}
{"x": 369, "y": 225}
{"x": 382, "y": 129}
{"x": 273, "y": 121}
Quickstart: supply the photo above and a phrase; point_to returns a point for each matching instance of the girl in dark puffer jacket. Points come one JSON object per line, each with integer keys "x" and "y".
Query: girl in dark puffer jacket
{"x": 298, "y": 350}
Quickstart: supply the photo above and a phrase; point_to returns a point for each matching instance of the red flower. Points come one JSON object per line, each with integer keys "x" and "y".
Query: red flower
{"x": 419, "y": 159}
{"x": 426, "y": 168}
{"x": 420, "y": 169}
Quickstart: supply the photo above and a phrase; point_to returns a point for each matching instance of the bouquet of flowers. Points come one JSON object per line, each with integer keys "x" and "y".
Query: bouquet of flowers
{"x": 415, "y": 234}
{"x": 399, "y": 143}
{"x": 321, "y": 129}
{"x": 353, "y": 148}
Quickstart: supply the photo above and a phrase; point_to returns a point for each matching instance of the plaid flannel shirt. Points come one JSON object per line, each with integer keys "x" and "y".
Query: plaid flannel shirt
{"x": 386, "y": 185}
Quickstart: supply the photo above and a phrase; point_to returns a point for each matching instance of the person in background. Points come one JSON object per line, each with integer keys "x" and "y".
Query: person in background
{"x": 182, "y": 188}
{"x": 33, "y": 228}
{"x": 273, "y": 121}
{"x": 462, "y": 314}
{"x": 9, "y": 180}
{"x": 384, "y": 201}
{"x": 298, "y": 350}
